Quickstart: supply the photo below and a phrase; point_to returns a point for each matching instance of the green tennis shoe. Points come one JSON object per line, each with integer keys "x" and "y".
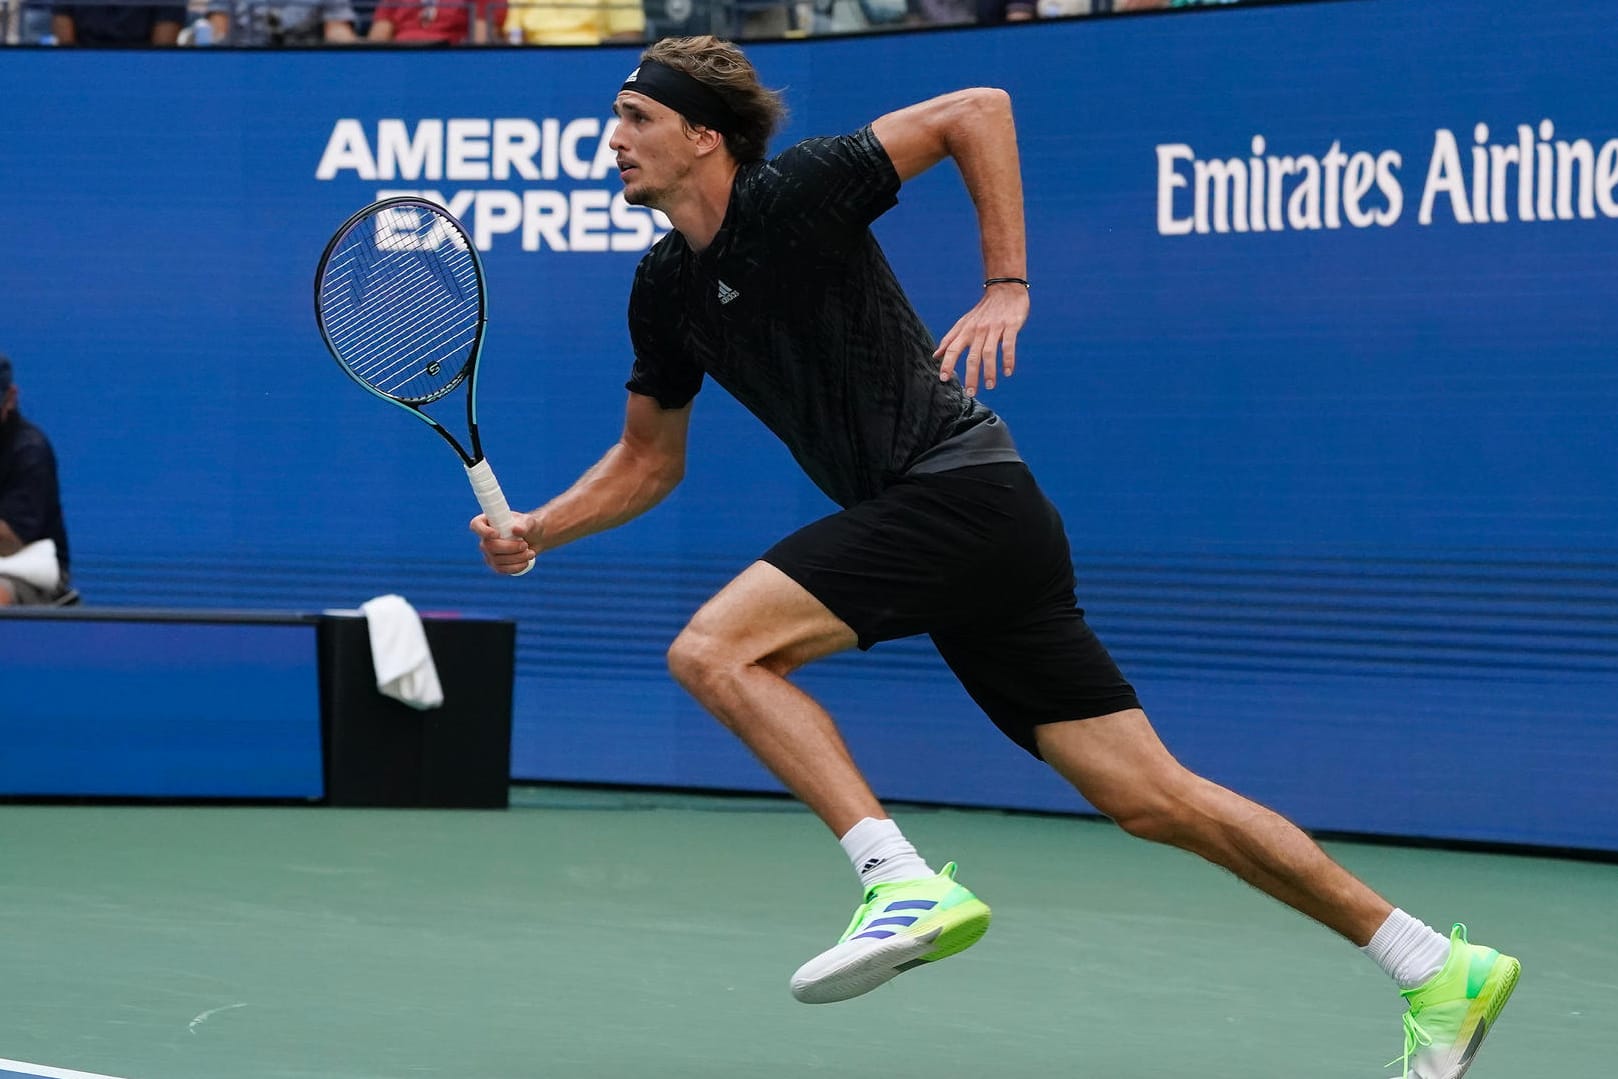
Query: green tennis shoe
{"x": 1451, "y": 1013}
{"x": 900, "y": 926}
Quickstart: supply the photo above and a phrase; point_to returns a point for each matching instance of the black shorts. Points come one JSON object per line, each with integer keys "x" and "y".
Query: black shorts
{"x": 977, "y": 559}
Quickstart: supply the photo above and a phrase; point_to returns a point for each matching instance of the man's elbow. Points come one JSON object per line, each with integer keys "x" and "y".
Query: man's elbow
{"x": 670, "y": 475}
{"x": 654, "y": 470}
{"x": 989, "y": 100}
{"x": 969, "y": 111}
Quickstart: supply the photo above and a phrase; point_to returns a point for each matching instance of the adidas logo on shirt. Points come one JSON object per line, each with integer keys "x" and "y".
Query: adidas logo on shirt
{"x": 726, "y": 293}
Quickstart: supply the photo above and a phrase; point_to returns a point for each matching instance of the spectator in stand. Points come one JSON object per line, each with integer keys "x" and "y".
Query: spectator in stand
{"x": 991, "y": 12}
{"x": 575, "y": 22}
{"x": 30, "y": 500}
{"x": 450, "y": 22}
{"x": 119, "y": 24}
{"x": 942, "y": 12}
{"x": 1156, "y": 5}
{"x": 743, "y": 19}
{"x": 257, "y": 22}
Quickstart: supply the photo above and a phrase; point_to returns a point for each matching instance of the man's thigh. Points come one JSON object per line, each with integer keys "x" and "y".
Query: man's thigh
{"x": 765, "y": 616}
{"x": 977, "y": 558}
{"x": 932, "y": 553}
{"x": 1046, "y": 667}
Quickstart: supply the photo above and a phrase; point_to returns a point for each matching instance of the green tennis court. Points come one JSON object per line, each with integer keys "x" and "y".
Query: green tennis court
{"x": 609, "y": 935}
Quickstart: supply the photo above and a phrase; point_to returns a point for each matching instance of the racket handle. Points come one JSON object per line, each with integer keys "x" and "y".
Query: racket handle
{"x": 493, "y": 501}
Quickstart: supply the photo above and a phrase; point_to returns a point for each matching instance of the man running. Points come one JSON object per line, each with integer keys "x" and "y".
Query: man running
{"x": 773, "y": 285}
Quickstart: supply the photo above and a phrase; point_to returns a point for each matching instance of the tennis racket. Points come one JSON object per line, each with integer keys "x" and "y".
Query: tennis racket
{"x": 400, "y": 301}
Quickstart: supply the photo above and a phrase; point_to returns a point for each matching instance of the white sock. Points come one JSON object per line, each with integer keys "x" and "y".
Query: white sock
{"x": 881, "y": 853}
{"x": 1409, "y": 951}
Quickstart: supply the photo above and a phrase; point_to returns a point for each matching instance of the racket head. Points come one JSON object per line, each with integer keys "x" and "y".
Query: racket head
{"x": 400, "y": 300}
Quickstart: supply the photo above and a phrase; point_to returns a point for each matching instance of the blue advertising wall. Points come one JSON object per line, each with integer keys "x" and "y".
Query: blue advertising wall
{"x": 1322, "y": 378}
{"x": 153, "y": 709}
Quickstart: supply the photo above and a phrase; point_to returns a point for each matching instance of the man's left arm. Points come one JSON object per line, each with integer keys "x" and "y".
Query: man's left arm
{"x": 974, "y": 127}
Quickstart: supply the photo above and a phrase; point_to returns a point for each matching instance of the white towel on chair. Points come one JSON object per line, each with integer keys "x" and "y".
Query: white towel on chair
{"x": 404, "y": 663}
{"x": 35, "y": 563}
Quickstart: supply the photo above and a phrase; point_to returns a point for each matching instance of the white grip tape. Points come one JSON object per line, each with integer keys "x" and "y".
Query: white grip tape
{"x": 493, "y": 501}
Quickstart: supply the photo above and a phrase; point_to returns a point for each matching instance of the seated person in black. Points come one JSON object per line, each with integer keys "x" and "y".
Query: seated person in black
{"x": 30, "y": 502}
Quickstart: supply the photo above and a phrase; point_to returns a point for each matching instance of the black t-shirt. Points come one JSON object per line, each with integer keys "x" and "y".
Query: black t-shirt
{"x": 29, "y": 498}
{"x": 794, "y": 310}
{"x": 121, "y": 24}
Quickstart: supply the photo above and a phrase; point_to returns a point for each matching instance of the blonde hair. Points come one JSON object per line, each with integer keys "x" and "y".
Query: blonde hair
{"x": 721, "y": 66}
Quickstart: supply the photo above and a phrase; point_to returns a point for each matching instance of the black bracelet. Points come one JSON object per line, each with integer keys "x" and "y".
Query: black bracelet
{"x": 1007, "y": 281}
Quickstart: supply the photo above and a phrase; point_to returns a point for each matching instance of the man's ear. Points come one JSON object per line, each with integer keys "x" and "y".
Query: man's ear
{"x": 708, "y": 140}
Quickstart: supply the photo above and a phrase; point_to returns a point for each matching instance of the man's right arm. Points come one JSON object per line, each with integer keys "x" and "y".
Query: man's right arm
{"x": 647, "y": 463}
{"x": 636, "y": 474}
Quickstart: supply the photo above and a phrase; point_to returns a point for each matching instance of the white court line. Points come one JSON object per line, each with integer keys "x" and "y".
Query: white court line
{"x": 212, "y": 1011}
{"x": 48, "y": 1073}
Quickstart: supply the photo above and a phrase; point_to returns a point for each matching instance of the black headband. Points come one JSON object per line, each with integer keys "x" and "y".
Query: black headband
{"x": 685, "y": 95}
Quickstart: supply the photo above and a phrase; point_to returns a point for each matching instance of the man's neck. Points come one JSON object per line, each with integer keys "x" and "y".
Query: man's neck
{"x": 698, "y": 211}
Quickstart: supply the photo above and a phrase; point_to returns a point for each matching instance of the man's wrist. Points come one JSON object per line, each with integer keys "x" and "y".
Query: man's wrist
{"x": 1023, "y": 281}
{"x": 534, "y": 534}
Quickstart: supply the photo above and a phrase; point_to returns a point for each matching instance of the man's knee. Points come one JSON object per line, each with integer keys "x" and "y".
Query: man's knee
{"x": 1164, "y": 805}
{"x": 1122, "y": 768}
{"x": 1159, "y": 820}
{"x": 699, "y": 659}
{"x": 695, "y": 659}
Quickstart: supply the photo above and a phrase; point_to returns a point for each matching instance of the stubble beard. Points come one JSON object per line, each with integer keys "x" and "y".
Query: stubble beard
{"x": 643, "y": 196}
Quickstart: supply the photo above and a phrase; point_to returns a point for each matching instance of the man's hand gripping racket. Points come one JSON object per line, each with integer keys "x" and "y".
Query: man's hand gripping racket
{"x": 400, "y": 300}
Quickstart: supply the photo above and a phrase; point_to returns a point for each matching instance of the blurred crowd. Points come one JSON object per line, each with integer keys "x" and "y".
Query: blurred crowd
{"x": 273, "y": 23}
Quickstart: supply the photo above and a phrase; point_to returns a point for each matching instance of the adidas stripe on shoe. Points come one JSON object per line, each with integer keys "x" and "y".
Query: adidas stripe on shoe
{"x": 901, "y": 925}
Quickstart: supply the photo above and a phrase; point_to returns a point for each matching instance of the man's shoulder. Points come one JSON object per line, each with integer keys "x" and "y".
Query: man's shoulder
{"x": 816, "y": 148}
{"x": 819, "y": 167}
{"x": 656, "y": 287}
{"x": 24, "y": 444}
{"x": 662, "y": 262}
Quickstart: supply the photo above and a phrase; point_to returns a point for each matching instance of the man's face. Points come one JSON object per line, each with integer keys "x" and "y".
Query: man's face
{"x": 8, "y": 403}
{"x": 655, "y": 151}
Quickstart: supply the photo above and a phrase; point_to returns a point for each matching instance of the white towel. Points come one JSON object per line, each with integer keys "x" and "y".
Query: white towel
{"x": 404, "y": 663}
{"x": 36, "y": 563}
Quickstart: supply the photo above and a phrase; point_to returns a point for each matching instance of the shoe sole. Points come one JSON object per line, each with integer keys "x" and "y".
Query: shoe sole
{"x": 1503, "y": 981}
{"x": 868, "y": 968}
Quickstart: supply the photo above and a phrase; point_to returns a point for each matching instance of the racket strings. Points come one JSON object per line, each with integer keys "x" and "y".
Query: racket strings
{"x": 402, "y": 308}
{"x": 409, "y": 329}
{"x": 387, "y": 352}
{"x": 373, "y": 329}
{"x": 391, "y": 355}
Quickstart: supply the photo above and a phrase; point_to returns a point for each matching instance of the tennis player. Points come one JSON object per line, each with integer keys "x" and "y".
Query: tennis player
{"x": 773, "y": 285}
